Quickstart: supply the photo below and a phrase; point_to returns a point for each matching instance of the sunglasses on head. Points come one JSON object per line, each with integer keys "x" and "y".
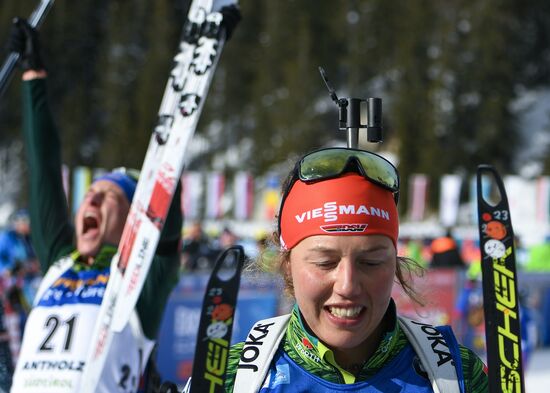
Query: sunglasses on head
{"x": 331, "y": 163}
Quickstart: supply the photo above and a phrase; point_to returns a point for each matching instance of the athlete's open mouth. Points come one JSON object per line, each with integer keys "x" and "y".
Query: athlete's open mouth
{"x": 90, "y": 222}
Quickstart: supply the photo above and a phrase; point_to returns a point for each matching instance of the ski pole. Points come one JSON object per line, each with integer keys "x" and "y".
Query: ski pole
{"x": 201, "y": 44}
{"x": 35, "y": 20}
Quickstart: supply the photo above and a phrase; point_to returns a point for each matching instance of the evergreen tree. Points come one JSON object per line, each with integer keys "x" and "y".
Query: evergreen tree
{"x": 447, "y": 73}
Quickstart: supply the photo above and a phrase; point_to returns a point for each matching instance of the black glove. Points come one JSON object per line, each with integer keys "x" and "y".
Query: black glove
{"x": 231, "y": 16}
{"x": 23, "y": 39}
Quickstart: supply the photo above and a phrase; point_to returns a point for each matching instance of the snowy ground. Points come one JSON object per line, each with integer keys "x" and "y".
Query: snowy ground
{"x": 537, "y": 377}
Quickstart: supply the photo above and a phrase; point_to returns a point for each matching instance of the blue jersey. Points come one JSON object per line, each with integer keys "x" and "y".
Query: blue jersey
{"x": 403, "y": 374}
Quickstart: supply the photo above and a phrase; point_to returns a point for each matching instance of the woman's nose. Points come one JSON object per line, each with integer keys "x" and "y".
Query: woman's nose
{"x": 347, "y": 280}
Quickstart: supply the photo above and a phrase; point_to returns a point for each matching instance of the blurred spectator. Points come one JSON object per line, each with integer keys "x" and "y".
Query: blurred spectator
{"x": 16, "y": 298}
{"x": 227, "y": 239}
{"x": 15, "y": 242}
{"x": 471, "y": 318}
{"x": 197, "y": 252}
{"x": 539, "y": 257}
{"x": 445, "y": 252}
{"x": 528, "y": 327}
{"x": 470, "y": 251}
{"x": 20, "y": 277}
{"x": 521, "y": 253}
{"x": 6, "y": 361}
{"x": 414, "y": 249}
{"x": 469, "y": 311}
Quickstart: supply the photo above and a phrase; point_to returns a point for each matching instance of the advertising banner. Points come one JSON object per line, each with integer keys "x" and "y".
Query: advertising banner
{"x": 258, "y": 299}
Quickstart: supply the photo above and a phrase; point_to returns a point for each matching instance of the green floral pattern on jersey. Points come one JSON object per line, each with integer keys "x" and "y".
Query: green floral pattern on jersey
{"x": 306, "y": 350}
{"x": 101, "y": 261}
{"x": 313, "y": 355}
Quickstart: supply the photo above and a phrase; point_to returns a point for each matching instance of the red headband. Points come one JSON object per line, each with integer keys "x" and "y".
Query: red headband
{"x": 347, "y": 205}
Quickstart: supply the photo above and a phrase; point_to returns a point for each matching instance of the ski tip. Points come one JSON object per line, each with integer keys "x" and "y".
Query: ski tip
{"x": 490, "y": 187}
{"x": 231, "y": 262}
{"x": 235, "y": 252}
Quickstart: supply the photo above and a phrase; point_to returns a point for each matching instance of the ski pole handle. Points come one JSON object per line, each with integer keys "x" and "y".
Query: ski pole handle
{"x": 35, "y": 20}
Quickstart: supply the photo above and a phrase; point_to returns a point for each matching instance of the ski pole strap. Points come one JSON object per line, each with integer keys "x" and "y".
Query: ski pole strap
{"x": 259, "y": 348}
{"x": 436, "y": 354}
{"x": 450, "y": 338}
{"x": 499, "y": 279}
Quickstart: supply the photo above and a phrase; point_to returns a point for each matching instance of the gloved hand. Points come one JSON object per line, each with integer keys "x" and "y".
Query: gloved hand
{"x": 23, "y": 39}
{"x": 231, "y": 16}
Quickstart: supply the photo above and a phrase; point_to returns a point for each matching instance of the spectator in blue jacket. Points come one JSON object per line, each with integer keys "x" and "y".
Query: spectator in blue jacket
{"x": 15, "y": 243}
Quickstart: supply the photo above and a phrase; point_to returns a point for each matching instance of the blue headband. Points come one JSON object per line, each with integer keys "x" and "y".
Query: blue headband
{"x": 122, "y": 180}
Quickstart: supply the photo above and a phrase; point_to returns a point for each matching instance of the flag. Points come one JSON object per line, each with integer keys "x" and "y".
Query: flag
{"x": 191, "y": 194}
{"x": 215, "y": 185}
{"x": 449, "y": 201}
{"x": 418, "y": 192}
{"x": 244, "y": 195}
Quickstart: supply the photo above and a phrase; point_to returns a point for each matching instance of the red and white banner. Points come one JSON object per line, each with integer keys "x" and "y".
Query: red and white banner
{"x": 191, "y": 194}
{"x": 215, "y": 187}
{"x": 418, "y": 193}
{"x": 449, "y": 201}
{"x": 243, "y": 195}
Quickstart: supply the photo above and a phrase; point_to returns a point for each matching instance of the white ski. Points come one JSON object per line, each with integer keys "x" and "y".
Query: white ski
{"x": 182, "y": 103}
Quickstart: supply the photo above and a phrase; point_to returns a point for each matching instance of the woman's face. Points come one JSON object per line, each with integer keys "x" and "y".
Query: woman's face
{"x": 342, "y": 286}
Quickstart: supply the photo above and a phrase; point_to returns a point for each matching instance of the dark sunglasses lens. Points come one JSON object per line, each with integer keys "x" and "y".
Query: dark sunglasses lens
{"x": 379, "y": 170}
{"x": 329, "y": 163}
{"x": 322, "y": 164}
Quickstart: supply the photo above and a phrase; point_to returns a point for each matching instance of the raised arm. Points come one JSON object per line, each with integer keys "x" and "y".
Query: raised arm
{"x": 50, "y": 219}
